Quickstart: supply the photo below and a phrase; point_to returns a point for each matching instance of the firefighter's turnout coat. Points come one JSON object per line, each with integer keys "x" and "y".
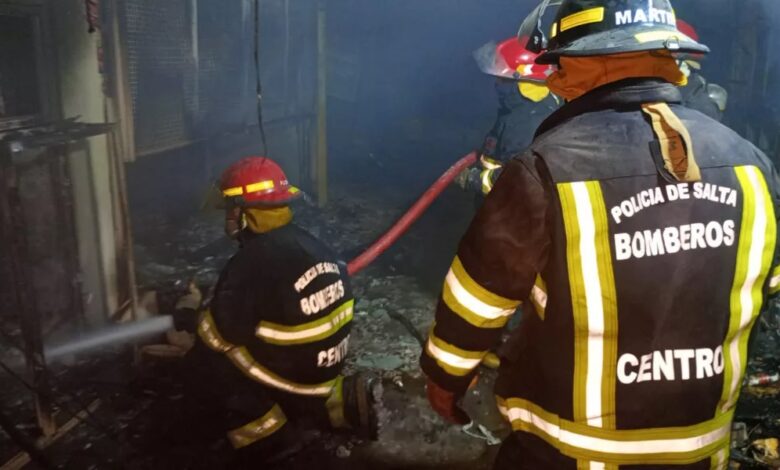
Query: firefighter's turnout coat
{"x": 645, "y": 289}
{"x": 281, "y": 315}
{"x": 512, "y": 132}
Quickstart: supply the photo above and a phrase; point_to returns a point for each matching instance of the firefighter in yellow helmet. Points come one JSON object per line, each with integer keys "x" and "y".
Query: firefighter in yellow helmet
{"x": 643, "y": 234}
{"x": 272, "y": 341}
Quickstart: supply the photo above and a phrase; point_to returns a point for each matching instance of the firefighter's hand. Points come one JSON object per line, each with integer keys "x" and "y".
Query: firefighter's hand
{"x": 191, "y": 300}
{"x": 185, "y": 315}
{"x": 445, "y": 403}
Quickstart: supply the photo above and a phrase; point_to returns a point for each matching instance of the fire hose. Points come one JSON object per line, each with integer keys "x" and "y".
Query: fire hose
{"x": 472, "y": 428}
{"x": 411, "y": 216}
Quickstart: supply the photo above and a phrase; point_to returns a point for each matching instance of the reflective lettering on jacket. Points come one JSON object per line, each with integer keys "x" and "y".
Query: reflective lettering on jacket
{"x": 671, "y": 240}
{"x": 332, "y": 356}
{"x": 671, "y": 365}
{"x": 323, "y": 299}
{"x": 313, "y": 272}
{"x": 670, "y": 193}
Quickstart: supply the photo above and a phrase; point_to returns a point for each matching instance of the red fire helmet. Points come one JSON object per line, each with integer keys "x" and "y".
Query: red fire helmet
{"x": 257, "y": 181}
{"x": 688, "y": 30}
{"x": 510, "y": 59}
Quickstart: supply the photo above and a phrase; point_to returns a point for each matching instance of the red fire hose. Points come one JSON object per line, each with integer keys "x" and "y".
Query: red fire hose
{"x": 411, "y": 216}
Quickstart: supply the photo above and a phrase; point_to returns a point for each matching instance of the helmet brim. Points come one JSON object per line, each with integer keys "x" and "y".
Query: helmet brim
{"x": 632, "y": 39}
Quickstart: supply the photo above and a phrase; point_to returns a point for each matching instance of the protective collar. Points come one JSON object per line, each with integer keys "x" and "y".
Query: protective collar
{"x": 579, "y": 75}
{"x": 263, "y": 220}
{"x": 627, "y": 94}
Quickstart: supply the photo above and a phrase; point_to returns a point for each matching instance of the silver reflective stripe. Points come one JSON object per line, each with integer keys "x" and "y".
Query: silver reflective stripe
{"x": 244, "y": 361}
{"x": 308, "y": 332}
{"x": 617, "y": 447}
{"x": 472, "y": 303}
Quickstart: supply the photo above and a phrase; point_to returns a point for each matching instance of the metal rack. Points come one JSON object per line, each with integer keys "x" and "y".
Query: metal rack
{"x": 44, "y": 150}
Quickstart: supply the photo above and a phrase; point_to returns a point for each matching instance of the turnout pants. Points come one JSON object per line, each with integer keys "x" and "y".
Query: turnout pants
{"x": 256, "y": 419}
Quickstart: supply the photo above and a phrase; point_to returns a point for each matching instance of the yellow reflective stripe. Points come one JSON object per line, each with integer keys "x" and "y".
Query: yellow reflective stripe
{"x": 484, "y": 295}
{"x": 294, "y": 190}
{"x": 593, "y": 15}
{"x": 609, "y": 335}
{"x": 491, "y": 361}
{"x": 487, "y": 181}
{"x": 774, "y": 281}
{"x": 577, "y": 289}
{"x": 474, "y": 303}
{"x": 259, "y": 429}
{"x": 594, "y": 302}
{"x": 250, "y": 188}
{"x": 207, "y": 330}
{"x": 490, "y": 163}
{"x": 242, "y": 359}
{"x": 757, "y": 238}
{"x": 308, "y": 332}
{"x": 335, "y": 405}
{"x": 659, "y": 446}
{"x": 260, "y": 186}
{"x": 230, "y": 192}
{"x": 452, "y": 359}
{"x": 720, "y": 460}
{"x": 539, "y": 296}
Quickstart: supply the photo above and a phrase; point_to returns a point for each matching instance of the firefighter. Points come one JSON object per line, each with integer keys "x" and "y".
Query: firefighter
{"x": 643, "y": 234}
{"x": 708, "y": 98}
{"x": 523, "y": 103}
{"x": 273, "y": 339}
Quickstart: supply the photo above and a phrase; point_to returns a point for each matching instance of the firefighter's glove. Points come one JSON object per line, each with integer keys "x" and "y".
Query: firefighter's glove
{"x": 185, "y": 316}
{"x": 468, "y": 179}
{"x": 445, "y": 403}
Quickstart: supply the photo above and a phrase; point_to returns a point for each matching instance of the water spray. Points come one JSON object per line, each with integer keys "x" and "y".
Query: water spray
{"x": 110, "y": 336}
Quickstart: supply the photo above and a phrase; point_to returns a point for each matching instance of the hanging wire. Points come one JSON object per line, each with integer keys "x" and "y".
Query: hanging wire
{"x": 258, "y": 81}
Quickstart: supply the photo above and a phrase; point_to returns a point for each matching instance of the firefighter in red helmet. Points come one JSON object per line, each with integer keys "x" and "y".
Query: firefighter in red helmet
{"x": 524, "y": 101}
{"x": 273, "y": 339}
{"x": 699, "y": 94}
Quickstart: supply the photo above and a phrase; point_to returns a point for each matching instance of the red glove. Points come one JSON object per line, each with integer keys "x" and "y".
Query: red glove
{"x": 445, "y": 403}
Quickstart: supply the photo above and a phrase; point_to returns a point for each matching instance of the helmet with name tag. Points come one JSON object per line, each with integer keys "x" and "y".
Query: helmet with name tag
{"x": 257, "y": 181}
{"x": 586, "y": 28}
